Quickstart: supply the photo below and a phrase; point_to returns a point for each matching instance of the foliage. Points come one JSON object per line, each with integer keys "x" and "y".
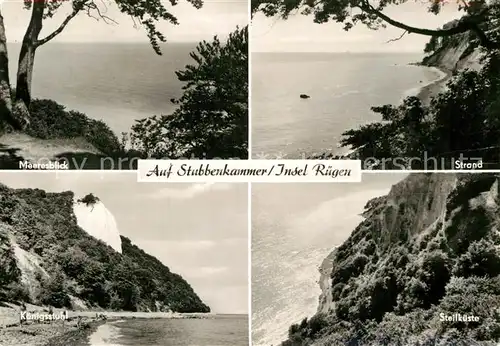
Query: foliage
{"x": 349, "y": 13}
{"x": 394, "y": 294}
{"x": 54, "y": 291}
{"x": 463, "y": 119}
{"x": 82, "y": 266}
{"x": 51, "y": 120}
{"x": 89, "y": 199}
{"x": 9, "y": 272}
{"x": 432, "y": 45}
{"x": 212, "y": 115}
{"x": 148, "y": 14}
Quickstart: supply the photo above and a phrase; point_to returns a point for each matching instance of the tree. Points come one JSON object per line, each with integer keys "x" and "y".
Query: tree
{"x": 212, "y": 117}
{"x": 15, "y": 112}
{"x": 478, "y": 15}
{"x": 432, "y": 45}
{"x": 54, "y": 291}
{"x": 9, "y": 272}
{"x": 6, "y": 116}
{"x": 89, "y": 200}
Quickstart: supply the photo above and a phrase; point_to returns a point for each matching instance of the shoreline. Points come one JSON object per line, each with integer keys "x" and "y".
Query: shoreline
{"x": 79, "y": 329}
{"x": 325, "y": 282}
{"x": 423, "y": 92}
{"x": 426, "y": 92}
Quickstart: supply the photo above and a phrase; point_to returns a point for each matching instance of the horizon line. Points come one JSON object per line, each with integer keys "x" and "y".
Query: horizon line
{"x": 339, "y": 52}
{"x": 112, "y": 42}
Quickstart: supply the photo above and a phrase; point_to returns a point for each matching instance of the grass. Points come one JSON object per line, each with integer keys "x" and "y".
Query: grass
{"x": 63, "y": 135}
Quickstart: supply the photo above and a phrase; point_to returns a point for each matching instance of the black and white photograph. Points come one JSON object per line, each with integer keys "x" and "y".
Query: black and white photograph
{"x": 399, "y": 85}
{"x": 98, "y": 259}
{"x": 100, "y": 84}
{"x": 399, "y": 259}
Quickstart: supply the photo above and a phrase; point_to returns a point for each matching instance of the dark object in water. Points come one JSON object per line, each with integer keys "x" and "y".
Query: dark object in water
{"x": 304, "y": 96}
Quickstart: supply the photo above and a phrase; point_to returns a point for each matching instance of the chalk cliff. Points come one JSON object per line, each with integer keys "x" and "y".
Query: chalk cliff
{"x": 57, "y": 251}
{"x": 454, "y": 53}
{"x": 97, "y": 221}
{"x": 430, "y": 247}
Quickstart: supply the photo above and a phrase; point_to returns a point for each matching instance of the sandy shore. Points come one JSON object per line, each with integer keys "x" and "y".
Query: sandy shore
{"x": 81, "y": 327}
{"x": 128, "y": 314}
{"x": 424, "y": 92}
{"x": 434, "y": 88}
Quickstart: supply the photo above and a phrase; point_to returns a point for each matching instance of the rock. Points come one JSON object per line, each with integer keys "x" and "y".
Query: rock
{"x": 98, "y": 222}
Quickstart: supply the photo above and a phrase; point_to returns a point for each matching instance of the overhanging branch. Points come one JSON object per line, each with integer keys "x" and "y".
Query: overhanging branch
{"x": 462, "y": 27}
{"x": 398, "y": 38}
{"x": 61, "y": 27}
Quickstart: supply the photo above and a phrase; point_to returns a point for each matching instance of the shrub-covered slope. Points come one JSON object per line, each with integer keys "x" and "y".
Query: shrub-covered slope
{"x": 72, "y": 266}
{"x": 430, "y": 247}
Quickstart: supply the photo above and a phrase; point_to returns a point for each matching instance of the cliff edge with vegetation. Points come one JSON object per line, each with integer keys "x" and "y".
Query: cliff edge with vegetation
{"x": 46, "y": 258}
{"x": 430, "y": 247}
{"x": 453, "y": 53}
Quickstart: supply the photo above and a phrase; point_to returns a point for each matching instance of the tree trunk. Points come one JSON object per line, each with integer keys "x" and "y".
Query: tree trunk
{"x": 25, "y": 73}
{"x": 5, "y": 100}
{"x": 27, "y": 60}
{"x": 6, "y": 113}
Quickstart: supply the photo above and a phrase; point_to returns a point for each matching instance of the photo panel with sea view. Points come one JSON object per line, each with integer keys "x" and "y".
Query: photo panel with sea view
{"x": 399, "y": 259}
{"x": 99, "y": 259}
{"x": 101, "y": 84}
{"x": 399, "y": 85}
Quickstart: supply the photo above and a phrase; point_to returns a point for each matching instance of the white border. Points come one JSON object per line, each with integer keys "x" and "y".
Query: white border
{"x": 363, "y": 171}
{"x": 249, "y": 191}
{"x": 249, "y": 80}
{"x": 249, "y": 270}
{"x": 370, "y": 171}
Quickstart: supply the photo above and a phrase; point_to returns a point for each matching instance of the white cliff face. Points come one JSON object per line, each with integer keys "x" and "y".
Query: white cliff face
{"x": 98, "y": 222}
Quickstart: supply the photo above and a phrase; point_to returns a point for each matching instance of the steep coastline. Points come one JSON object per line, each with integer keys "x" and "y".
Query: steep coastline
{"x": 98, "y": 222}
{"x": 430, "y": 247}
{"x": 43, "y": 241}
{"x": 450, "y": 55}
{"x": 48, "y": 262}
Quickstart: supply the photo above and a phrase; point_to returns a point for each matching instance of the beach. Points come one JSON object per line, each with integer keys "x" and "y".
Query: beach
{"x": 81, "y": 327}
{"x": 435, "y": 87}
{"x": 424, "y": 92}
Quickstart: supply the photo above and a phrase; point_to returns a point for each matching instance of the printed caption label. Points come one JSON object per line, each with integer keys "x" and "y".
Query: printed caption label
{"x": 242, "y": 171}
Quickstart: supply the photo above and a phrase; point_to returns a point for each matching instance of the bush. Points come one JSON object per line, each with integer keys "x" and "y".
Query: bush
{"x": 89, "y": 199}
{"x": 54, "y": 292}
{"x": 17, "y": 292}
{"x": 50, "y": 120}
{"x": 211, "y": 120}
{"x": 462, "y": 119}
{"x": 481, "y": 259}
{"x": 80, "y": 265}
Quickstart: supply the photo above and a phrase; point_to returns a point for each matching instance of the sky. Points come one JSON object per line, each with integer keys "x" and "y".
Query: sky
{"x": 303, "y": 199}
{"x": 216, "y": 17}
{"x": 198, "y": 230}
{"x": 300, "y": 34}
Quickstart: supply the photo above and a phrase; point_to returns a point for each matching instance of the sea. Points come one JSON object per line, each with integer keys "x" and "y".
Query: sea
{"x": 342, "y": 89}
{"x": 294, "y": 228}
{"x": 221, "y": 330}
{"x": 114, "y": 82}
